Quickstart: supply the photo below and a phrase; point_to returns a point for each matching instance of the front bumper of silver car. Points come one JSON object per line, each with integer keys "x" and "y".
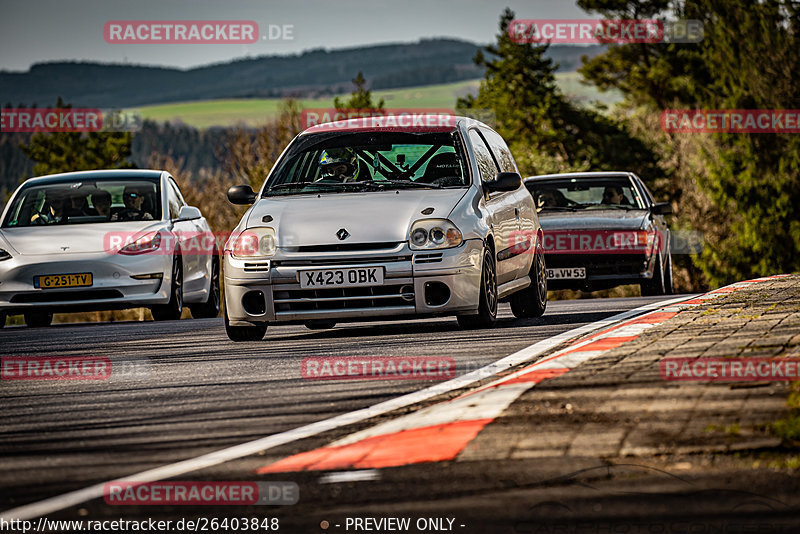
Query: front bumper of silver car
{"x": 415, "y": 283}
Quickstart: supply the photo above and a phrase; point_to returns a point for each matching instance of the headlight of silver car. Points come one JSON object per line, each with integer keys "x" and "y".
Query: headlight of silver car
{"x": 4, "y": 255}
{"x": 253, "y": 243}
{"x": 429, "y": 234}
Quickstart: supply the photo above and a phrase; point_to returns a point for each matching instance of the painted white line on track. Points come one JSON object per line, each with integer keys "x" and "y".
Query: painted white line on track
{"x": 488, "y": 404}
{"x": 361, "y": 475}
{"x": 74, "y": 498}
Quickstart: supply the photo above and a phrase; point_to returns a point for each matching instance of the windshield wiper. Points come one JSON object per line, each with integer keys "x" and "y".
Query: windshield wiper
{"x": 310, "y": 187}
{"x": 558, "y": 208}
{"x": 402, "y": 183}
{"x": 278, "y": 187}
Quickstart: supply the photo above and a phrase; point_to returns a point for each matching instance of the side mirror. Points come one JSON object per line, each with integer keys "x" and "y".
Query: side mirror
{"x": 189, "y": 213}
{"x": 241, "y": 194}
{"x": 505, "y": 181}
{"x": 661, "y": 208}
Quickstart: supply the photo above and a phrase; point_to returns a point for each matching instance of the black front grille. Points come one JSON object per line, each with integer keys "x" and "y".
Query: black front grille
{"x": 261, "y": 267}
{"x": 599, "y": 264}
{"x": 343, "y": 298}
{"x": 339, "y": 261}
{"x": 66, "y": 296}
{"x": 435, "y": 257}
{"x": 348, "y": 247}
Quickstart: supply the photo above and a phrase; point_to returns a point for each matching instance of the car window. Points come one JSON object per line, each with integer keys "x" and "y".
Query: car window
{"x": 486, "y": 164}
{"x": 585, "y": 193}
{"x": 82, "y": 202}
{"x": 174, "y": 200}
{"x": 643, "y": 190}
{"x": 368, "y": 162}
{"x": 500, "y": 150}
{"x": 177, "y": 190}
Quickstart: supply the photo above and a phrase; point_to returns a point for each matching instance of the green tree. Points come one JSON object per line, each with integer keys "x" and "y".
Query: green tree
{"x": 360, "y": 98}
{"x": 747, "y": 60}
{"x": 75, "y": 151}
{"x": 548, "y": 132}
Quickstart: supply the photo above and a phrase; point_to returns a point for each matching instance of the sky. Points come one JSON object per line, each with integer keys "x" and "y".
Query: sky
{"x": 35, "y": 31}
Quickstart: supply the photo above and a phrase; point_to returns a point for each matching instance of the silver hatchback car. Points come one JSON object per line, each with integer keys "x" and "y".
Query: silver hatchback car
{"x": 385, "y": 218}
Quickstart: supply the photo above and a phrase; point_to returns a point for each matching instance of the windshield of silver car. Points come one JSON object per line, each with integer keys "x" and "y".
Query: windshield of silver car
{"x": 369, "y": 161}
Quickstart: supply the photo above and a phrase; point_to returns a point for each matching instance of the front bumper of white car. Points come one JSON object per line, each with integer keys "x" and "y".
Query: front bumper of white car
{"x": 415, "y": 283}
{"x": 113, "y": 283}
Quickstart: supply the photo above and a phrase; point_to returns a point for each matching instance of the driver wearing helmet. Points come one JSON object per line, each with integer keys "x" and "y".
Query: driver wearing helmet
{"x": 340, "y": 164}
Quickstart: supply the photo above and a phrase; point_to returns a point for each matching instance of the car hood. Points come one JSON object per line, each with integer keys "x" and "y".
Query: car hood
{"x": 373, "y": 217}
{"x": 71, "y": 239}
{"x": 594, "y": 220}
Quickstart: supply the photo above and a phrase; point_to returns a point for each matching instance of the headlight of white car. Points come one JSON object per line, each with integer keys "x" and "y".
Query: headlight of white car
{"x": 4, "y": 255}
{"x": 253, "y": 243}
{"x": 430, "y": 234}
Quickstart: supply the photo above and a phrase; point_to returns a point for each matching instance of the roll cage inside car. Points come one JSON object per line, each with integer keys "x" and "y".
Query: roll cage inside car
{"x": 376, "y": 143}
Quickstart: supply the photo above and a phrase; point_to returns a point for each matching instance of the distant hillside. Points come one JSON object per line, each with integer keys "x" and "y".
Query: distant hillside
{"x": 311, "y": 74}
{"x": 257, "y": 111}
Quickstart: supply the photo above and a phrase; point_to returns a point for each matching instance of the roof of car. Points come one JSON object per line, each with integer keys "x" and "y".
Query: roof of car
{"x": 394, "y": 123}
{"x": 587, "y": 174}
{"x": 107, "y": 174}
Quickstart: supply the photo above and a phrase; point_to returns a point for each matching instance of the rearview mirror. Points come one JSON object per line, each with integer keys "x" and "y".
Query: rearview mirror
{"x": 241, "y": 194}
{"x": 505, "y": 181}
{"x": 661, "y": 208}
{"x": 189, "y": 213}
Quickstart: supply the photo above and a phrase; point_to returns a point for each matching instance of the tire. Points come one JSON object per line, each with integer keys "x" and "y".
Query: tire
{"x": 669, "y": 285}
{"x": 172, "y": 310}
{"x": 320, "y": 324}
{"x": 655, "y": 286}
{"x": 532, "y": 301}
{"x": 210, "y": 308}
{"x": 36, "y": 319}
{"x": 487, "y": 307}
{"x": 244, "y": 333}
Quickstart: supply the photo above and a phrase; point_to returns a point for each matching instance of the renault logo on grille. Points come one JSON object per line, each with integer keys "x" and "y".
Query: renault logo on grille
{"x": 342, "y": 234}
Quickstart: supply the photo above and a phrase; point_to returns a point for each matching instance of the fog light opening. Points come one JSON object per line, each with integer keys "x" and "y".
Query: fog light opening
{"x": 436, "y": 293}
{"x": 253, "y": 303}
{"x": 149, "y": 276}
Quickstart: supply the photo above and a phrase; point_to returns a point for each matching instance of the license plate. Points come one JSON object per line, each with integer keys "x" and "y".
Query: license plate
{"x": 567, "y": 272}
{"x": 51, "y": 281}
{"x": 361, "y": 276}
